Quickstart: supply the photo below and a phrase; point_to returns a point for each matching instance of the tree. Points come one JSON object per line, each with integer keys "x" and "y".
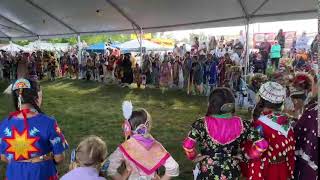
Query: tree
{"x": 22, "y": 42}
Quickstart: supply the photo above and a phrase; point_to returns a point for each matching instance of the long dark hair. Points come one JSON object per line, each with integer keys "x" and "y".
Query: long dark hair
{"x": 264, "y": 104}
{"x": 219, "y": 97}
{"x": 139, "y": 117}
{"x": 29, "y": 96}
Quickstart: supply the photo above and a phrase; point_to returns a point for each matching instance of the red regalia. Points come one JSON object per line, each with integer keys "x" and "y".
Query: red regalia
{"x": 277, "y": 163}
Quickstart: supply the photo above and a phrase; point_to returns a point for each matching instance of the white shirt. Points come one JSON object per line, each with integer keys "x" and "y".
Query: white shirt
{"x": 235, "y": 58}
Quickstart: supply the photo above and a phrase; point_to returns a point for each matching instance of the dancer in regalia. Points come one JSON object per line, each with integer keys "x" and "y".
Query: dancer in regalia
{"x": 31, "y": 142}
{"x": 306, "y": 131}
{"x": 277, "y": 163}
{"x": 219, "y": 136}
{"x": 142, "y": 154}
{"x": 126, "y": 65}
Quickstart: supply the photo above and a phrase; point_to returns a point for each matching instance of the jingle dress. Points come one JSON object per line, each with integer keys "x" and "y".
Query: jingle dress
{"x": 220, "y": 137}
{"x": 22, "y": 140}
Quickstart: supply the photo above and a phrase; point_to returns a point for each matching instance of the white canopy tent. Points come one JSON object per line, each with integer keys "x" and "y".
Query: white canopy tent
{"x": 47, "y": 18}
{"x": 41, "y": 45}
{"x": 11, "y": 47}
{"x": 134, "y": 45}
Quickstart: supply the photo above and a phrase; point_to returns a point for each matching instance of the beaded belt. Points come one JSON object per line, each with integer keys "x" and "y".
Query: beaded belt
{"x": 41, "y": 158}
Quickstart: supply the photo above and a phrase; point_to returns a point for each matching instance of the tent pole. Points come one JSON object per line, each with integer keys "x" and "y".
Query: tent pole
{"x": 247, "y": 48}
{"x": 79, "y": 48}
{"x": 140, "y": 43}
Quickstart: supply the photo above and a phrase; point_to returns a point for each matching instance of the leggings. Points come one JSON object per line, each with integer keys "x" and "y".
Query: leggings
{"x": 275, "y": 61}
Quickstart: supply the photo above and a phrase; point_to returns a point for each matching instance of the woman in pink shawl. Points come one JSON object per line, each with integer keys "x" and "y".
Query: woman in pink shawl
{"x": 219, "y": 135}
{"x": 142, "y": 154}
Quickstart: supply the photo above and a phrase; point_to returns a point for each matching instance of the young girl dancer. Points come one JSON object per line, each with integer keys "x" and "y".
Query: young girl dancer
{"x": 277, "y": 163}
{"x": 31, "y": 142}
{"x": 219, "y": 135}
{"x": 87, "y": 159}
{"x": 142, "y": 154}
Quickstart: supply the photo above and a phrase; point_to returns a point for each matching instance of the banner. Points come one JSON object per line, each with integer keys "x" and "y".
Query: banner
{"x": 258, "y": 38}
{"x": 164, "y": 42}
{"x": 147, "y": 36}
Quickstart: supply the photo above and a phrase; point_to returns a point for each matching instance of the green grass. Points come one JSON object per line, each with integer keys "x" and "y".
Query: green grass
{"x": 84, "y": 108}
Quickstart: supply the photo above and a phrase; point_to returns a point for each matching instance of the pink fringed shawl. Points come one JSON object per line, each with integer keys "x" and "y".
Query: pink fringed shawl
{"x": 148, "y": 160}
{"x": 223, "y": 130}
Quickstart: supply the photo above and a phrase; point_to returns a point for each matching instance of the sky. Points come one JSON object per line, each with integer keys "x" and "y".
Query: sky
{"x": 310, "y": 26}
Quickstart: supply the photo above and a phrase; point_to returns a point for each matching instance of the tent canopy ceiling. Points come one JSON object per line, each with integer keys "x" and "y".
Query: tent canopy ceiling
{"x": 47, "y": 18}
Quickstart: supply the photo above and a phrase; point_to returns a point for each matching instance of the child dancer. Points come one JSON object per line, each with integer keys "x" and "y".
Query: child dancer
{"x": 141, "y": 152}
{"x": 219, "y": 135}
{"x": 31, "y": 142}
{"x": 87, "y": 160}
{"x": 277, "y": 163}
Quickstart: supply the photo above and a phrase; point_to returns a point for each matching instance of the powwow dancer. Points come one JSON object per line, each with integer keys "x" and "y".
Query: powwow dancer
{"x": 219, "y": 136}
{"x": 142, "y": 154}
{"x": 305, "y": 130}
{"x": 31, "y": 142}
{"x": 277, "y": 163}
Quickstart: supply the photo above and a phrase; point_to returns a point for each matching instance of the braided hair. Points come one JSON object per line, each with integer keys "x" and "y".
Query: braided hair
{"x": 29, "y": 96}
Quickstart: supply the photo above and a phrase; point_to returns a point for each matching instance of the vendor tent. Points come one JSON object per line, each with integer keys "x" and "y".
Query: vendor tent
{"x": 41, "y": 45}
{"x": 134, "y": 45}
{"x": 47, "y": 18}
{"x": 98, "y": 46}
{"x": 12, "y": 48}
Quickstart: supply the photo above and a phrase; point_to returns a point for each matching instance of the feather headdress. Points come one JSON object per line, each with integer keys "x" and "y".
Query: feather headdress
{"x": 8, "y": 90}
{"x": 127, "y": 109}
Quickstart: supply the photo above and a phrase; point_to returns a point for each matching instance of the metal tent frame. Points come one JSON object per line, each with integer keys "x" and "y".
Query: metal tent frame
{"x": 245, "y": 19}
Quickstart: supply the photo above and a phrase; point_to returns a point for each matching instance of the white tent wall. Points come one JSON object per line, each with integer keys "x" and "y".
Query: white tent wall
{"x": 47, "y": 18}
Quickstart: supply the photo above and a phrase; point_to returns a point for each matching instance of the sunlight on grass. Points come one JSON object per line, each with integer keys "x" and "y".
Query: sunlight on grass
{"x": 83, "y": 108}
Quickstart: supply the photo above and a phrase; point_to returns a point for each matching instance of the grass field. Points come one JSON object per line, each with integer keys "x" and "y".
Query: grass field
{"x": 84, "y": 108}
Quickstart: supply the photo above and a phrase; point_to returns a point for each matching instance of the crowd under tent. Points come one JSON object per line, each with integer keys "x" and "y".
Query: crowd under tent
{"x": 46, "y": 18}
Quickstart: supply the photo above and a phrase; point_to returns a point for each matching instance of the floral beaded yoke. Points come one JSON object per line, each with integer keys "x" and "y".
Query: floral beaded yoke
{"x": 219, "y": 137}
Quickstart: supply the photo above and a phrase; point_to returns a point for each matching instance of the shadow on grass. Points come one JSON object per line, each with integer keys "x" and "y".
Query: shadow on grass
{"x": 83, "y": 108}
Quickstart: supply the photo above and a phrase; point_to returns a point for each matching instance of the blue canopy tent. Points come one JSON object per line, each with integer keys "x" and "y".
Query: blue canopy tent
{"x": 100, "y": 47}
{"x": 97, "y": 48}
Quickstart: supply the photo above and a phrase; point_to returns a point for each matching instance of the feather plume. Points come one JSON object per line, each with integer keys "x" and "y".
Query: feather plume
{"x": 127, "y": 109}
{"x": 8, "y": 90}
